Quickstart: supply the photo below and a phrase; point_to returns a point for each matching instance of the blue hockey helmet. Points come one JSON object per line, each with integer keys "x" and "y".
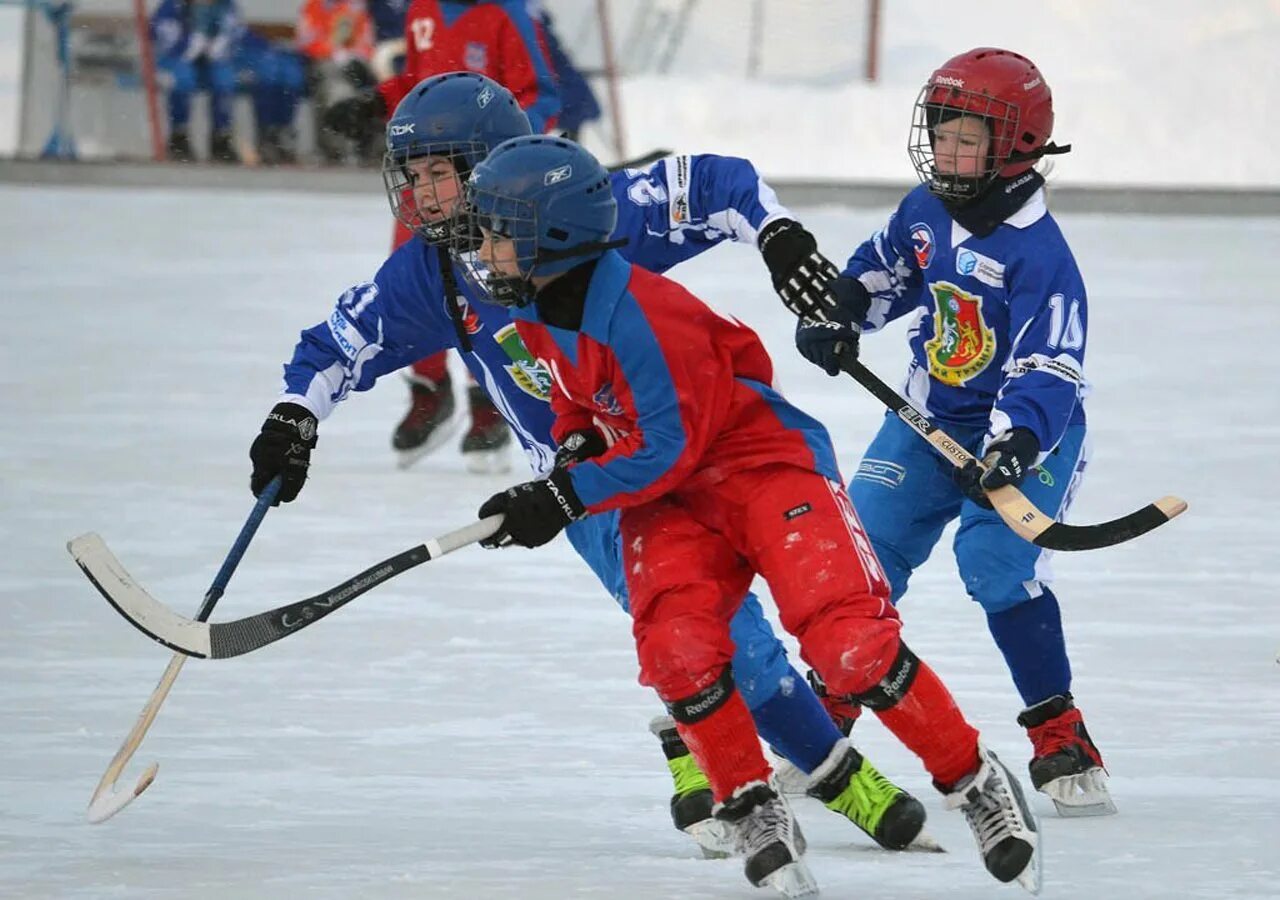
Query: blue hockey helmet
{"x": 454, "y": 118}
{"x": 551, "y": 198}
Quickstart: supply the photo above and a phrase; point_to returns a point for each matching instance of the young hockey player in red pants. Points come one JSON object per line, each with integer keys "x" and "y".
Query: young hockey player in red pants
{"x": 718, "y": 478}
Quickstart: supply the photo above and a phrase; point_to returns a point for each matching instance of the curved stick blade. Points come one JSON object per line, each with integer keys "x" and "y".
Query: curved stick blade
{"x": 1060, "y": 536}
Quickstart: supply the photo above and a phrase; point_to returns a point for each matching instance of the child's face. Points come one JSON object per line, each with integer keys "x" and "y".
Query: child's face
{"x": 498, "y": 253}
{"x": 960, "y": 147}
{"x": 436, "y": 187}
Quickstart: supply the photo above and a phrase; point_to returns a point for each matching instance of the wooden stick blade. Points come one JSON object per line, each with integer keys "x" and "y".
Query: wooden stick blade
{"x": 143, "y": 611}
{"x": 106, "y": 804}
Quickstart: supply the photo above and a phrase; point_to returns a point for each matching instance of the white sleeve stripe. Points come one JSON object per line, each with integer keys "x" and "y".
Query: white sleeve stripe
{"x": 1062, "y": 366}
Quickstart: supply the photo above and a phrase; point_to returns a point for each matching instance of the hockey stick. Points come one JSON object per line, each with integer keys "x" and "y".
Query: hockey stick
{"x": 106, "y": 800}
{"x": 220, "y": 640}
{"x": 1019, "y": 513}
{"x": 639, "y": 162}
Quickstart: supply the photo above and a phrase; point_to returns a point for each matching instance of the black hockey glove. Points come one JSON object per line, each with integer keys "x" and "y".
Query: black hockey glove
{"x": 831, "y": 334}
{"x": 533, "y": 512}
{"x": 354, "y": 117}
{"x": 584, "y": 444}
{"x": 800, "y": 273}
{"x": 1009, "y": 458}
{"x": 283, "y": 448}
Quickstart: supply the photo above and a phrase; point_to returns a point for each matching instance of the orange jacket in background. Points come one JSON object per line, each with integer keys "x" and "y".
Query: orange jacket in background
{"x": 337, "y": 30}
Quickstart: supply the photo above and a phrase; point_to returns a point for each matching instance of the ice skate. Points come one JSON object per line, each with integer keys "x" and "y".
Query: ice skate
{"x": 767, "y": 835}
{"x": 1067, "y": 766}
{"x": 222, "y": 148}
{"x": 485, "y": 445}
{"x": 691, "y": 803}
{"x": 848, "y": 784}
{"x": 788, "y": 778}
{"x": 178, "y": 148}
{"x": 428, "y": 423}
{"x": 1003, "y": 824}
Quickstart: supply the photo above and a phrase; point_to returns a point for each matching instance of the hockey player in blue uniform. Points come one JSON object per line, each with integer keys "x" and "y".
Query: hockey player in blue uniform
{"x": 998, "y": 354}
{"x": 415, "y": 306}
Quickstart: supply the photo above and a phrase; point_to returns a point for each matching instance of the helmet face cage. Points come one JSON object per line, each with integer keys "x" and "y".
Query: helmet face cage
{"x": 421, "y": 211}
{"x": 485, "y": 213}
{"x": 938, "y": 103}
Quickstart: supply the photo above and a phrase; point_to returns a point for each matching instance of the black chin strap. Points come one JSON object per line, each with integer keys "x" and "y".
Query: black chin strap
{"x": 578, "y": 250}
{"x": 451, "y": 299}
{"x": 1046, "y": 150}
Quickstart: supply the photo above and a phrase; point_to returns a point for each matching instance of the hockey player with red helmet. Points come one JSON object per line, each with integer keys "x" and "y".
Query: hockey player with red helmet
{"x": 998, "y": 357}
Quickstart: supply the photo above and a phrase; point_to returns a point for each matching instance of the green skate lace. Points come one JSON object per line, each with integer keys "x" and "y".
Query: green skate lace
{"x": 687, "y": 776}
{"x": 866, "y": 798}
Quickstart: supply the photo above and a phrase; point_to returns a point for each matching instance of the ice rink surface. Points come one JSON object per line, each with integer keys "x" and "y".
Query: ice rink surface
{"x": 473, "y": 729}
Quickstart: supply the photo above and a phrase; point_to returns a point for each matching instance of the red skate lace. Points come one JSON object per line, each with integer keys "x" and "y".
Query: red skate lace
{"x": 1061, "y": 733}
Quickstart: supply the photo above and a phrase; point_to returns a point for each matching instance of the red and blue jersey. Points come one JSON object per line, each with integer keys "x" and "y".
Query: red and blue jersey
{"x": 676, "y": 209}
{"x": 497, "y": 39}
{"x": 684, "y": 392}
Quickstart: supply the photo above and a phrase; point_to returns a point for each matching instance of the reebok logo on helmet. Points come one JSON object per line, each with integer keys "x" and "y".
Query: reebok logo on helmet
{"x": 557, "y": 175}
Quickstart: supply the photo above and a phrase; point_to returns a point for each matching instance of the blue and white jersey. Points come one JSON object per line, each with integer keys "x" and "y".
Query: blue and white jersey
{"x": 668, "y": 213}
{"x": 999, "y": 334}
{"x": 682, "y": 205}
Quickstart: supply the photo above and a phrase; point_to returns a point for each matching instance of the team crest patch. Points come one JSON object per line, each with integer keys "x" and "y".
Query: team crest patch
{"x": 962, "y": 345}
{"x": 525, "y": 371}
{"x": 606, "y": 401}
{"x": 923, "y": 244}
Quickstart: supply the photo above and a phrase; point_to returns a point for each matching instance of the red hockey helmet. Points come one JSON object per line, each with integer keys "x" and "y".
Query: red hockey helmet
{"x": 1006, "y": 91}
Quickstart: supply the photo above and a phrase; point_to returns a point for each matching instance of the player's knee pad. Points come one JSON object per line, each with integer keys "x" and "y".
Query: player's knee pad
{"x": 702, "y": 703}
{"x": 851, "y": 653}
{"x": 677, "y": 655}
{"x": 994, "y": 583}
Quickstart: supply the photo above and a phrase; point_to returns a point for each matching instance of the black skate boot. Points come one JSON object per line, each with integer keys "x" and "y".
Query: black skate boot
{"x": 691, "y": 803}
{"x": 222, "y": 149}
{"x": 1003, "y": 824}
{"x": 179, "y": 147}
{"x": 429, "y": 421}
{"x": 276, "y": 146}
{"x": 484, "y": 446}
{"x": 848, "y": 784}
{"x": 1067, "y": 766}
{"x": 767, "y": 835}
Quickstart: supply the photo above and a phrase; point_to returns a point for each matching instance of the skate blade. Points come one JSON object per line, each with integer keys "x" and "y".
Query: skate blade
{"x": 1031, "y": 878}
{"x": 714, "y": 838}
{"x": 1081, "y": 796}
{"x": 444, "y": 431}
{"x": 488, "y": 462}
{"x": 792, "y": 880}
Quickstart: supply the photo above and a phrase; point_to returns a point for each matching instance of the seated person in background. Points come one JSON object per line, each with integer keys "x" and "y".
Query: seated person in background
{"x": 194, "y": 41}
{"x": 336, "y": 37}
{"x": 276, "y": 77}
